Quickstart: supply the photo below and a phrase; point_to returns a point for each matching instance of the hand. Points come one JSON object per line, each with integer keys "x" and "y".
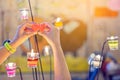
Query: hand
{"x": 53, "y": 36}
{"x": 22, "y": 34}
{"x": 60, "y": 67}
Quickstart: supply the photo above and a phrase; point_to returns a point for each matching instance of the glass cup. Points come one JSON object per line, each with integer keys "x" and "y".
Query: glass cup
{"x": 58, "y": 23}
{"x": 113, "y": 44}
{"x": 11, "y": 69}
{"x": 24, "y": 14}
{"x": 32, "y": 59}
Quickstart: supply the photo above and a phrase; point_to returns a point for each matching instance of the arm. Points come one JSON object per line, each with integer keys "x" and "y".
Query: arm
{"x": 60, "y": 67}
{"x": 61, "y": 71}
{"x": 19, "y": 38}
{"x": 4, "y": 53}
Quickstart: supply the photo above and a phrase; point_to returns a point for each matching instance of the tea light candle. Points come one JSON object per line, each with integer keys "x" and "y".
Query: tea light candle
{"x": 47, "y": 50}
{"x": 24, "y": 13}
{"x": 32, "y": 53}
{"x": 58, "y": 23}
{"x": 58, "y": 19}
{"x": 112, "y": 38}
{"x": 10, "y": 64}
{"x": 11, "y": 69}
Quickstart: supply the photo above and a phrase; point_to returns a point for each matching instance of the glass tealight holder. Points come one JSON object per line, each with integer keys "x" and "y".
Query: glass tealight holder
{"x": 32, "y": 59}
{"x": 11, "y": 69}
{"x": 113, "y": 44}
{"x": 24, "y": 14}
{"x": 58, "y": 23}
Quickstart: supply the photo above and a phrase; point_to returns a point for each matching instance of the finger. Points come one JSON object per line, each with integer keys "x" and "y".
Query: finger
{"x": 42, "y": 34}
{"x": 29, "y": 34}
{"x": 27, "y": 29}
{"x": 27, "y": 25}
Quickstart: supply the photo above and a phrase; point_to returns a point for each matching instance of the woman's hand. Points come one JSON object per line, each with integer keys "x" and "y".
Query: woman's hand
{"x": 24, "y": 31}
{"x": 52, "y": 36}
{"x": 20, "y": 36}
{"x": 60, "y": 67}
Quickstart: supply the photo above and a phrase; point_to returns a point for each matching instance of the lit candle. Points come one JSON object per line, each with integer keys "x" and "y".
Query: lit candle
{"x": 32, "y": 53}
{"x": 112, "y": 37}
{"x": 58, "y": 19}
{"x": 24, "y": 13}
{"x": 58, "y": 23}
{"x": 10, "y": 64}
{"x": 47, "y": 49}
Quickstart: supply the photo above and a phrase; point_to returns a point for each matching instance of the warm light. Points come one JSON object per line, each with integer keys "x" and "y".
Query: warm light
{"x": 47, "y": 50}
{"x": 58, "y": 23}
{"x": 32, "y": 53}
{"x": 112, "y": 37}
{"x": 10, "y": 64}
{"x": 58, "y": 19}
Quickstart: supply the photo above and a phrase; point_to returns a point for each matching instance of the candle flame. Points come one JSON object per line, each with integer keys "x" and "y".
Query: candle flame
{"x": 32, "y": 53}
{"x": 58, "y": 19}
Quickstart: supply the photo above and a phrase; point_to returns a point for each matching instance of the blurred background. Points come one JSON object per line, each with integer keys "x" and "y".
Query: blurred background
{"x": 86, "y": 24}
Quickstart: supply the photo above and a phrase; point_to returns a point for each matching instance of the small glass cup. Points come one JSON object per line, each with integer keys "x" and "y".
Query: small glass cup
{"x": 113, "y": 44}
{"x": 24, "y": 14}
{"x": 58, "y": 23}
{"x": 32, "y": 59}
{"x": 47, "y": 50}
{"x": 11, "y": 69}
